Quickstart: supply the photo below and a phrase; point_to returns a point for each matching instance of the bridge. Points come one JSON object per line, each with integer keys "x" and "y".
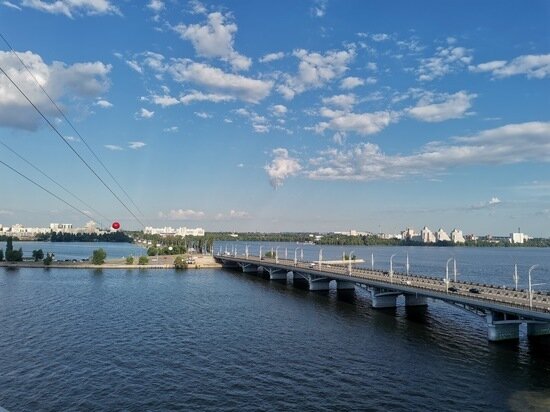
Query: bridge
{"x": 503, "y": 309}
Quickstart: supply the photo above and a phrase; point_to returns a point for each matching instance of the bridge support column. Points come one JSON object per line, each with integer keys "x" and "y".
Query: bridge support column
{"x": 383, "y": 298}
{"x": 318, "y": 283}
{"x": 276, "y": 274}
{"x": 344, "y": 285}
{"x": 538, "y": 329}
{"x": 499, "y": 328}
{"x": 415, "y": 300}
{"x": 248, "y": 267}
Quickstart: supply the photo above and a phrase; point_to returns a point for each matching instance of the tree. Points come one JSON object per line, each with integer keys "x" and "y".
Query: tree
{"x": 1, "y": 255}
{"x": 180, "y": 263}
{"x": 143, "y": 260}
{"x": 98, "y": 257}
{"x": 129, "y": 260}
{"x": 270, "y": 255}
{"x": 9, "y": 245}
{"x": 48, "y": 259}
{"x": 38, "y": 255}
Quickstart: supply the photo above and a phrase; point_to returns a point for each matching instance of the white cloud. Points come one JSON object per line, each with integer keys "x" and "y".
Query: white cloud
{"x": 487, "y": 205}
{"x": 71, "y": 138}
{"x": 378, "y": 37}
{"x": 164, "y": 101}
{"x": 281, "y": 167}
{"x": 215, "y": 40}
{"x": 533, "y": 66}
{"x": 514, "y": 143}
{"x": 361, "y": 123}
{"x": 238, "y": 214}
{"x": 172, "y": 129}
{"x": 272, "y": 57}
{"x": 203, "y": 115}
{"x": 113, "y": 147}
{"x": 11, "y": 5}
{"x": 319, "y": 8}
{"x": 197, "y": 96}
{"x": 71, "y": 7}
{"x": 145, "y": 114}
{"x": 183, "y": 214}
{"x": 351, "y": 82}
{"x": 343, "y": 101}
{"x": 219, "y": 82}
{"x": 136, "y": 145}
{"x": 240, "y": 165}
{"x": 278, "y": 110}
{"x": 197, "y": 7}
{"x": 371, "y": 80}
{"x": 452, "y": 106}
{"x": 134, "y": 66}
{"x": 260, "y": 128}
{"x": 104, "y": 104}
{"x": 315, "y": 70}
{"x": 445, "y": 61}
{"x": 156, "y": 5}
{"x": 80, "y": 80}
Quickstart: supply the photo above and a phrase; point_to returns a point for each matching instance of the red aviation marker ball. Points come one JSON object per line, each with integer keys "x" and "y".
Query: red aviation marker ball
{"x": 115, "y": 225}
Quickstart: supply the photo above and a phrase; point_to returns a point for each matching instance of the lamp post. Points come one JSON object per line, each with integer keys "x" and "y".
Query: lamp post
{"x": 320, "y": 257}
{"x": 407, "y": 264}
{"x": 246, "y": 251}
{"x": 447, "y": 275}
{"x": 286, "y": 253}
{"x": 531, "y": 286}
{"x": 302, "y": 254}
{"x": 454, "y": 268}
{"x": 515, "y": 276}
{"x": 391, "y": 267}
{"x": 296, "y": 256}
{"x": 277, "y": 254}
{"x": 372, "y": 261}
{"x": 260, "y": 252}
{"x": 349, "y": 262}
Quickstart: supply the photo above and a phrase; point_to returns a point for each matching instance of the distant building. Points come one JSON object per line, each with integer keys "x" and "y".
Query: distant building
{"x": 457, "y": 237}
{"x": 427, "y": 235}
{"x": 408, "y": 234}
{"x": 518, "y": 237}
{"x": 442, "y": 236}
{"x": 170, "y": 231}
{"x": 61, "y": 227}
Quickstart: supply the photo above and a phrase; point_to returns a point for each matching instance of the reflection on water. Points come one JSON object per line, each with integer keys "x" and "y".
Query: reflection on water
{"x": 222, "y": 340}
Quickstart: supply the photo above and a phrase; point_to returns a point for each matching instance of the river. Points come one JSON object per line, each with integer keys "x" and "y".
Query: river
{"x": 157, "y": 340}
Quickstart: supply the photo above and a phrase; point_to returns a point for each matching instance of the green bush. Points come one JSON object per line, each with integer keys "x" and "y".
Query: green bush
{"x": 98, "y": 257}
{"x": 180, "y": 263}
{"x": 143, "y": 260}
{"x": 129, "y": 260}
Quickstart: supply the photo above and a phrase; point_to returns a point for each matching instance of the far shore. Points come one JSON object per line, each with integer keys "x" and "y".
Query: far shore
{"x": 155, "y": 262}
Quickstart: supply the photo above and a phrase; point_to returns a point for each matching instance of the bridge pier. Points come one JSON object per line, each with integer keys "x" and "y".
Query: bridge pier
{"x": 276, "y": 274}
{"x": 415, "y": 300}
{"x": 383, "y": 298}
{"x": 502, "y": 327}
{"x": 344, "y": 285}
{"x": 248, "y": 267}
{"x": 538, "y": 329}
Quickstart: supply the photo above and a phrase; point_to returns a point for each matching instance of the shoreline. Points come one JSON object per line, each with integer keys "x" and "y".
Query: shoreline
{"x": 160, "y": 262}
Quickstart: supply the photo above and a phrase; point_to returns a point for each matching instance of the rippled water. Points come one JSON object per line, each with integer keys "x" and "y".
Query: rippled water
{"x": 220, "y": 340}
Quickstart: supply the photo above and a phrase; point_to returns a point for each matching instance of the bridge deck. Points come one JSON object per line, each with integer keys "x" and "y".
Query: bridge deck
{"x": 490, "y": 297}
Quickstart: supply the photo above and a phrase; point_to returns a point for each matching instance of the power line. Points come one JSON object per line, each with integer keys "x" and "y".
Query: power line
{"x": 69, "y": 145}
{"x": 55, "y": 182}
{"x": 46, "y": 190}
{"x": 71, "y": 125}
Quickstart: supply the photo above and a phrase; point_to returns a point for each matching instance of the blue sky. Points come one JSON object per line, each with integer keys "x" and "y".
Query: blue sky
{"x": 275, "y": 116}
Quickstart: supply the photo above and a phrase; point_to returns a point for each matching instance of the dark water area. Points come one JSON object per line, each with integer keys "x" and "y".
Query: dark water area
{"x": 162, "y": 340}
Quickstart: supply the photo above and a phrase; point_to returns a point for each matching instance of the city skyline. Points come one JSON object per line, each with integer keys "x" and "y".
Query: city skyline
{"x": 214, "y": 114}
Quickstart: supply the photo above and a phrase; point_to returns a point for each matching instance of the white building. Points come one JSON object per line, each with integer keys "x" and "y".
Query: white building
{"x": 170, "y": 231}
{"x": 442, "y": 236}
{"x": 61, "y": 227}
{"x": 427, "y": 235}
{"x": 518, "y": 237}
{"x": 457, "y": 237}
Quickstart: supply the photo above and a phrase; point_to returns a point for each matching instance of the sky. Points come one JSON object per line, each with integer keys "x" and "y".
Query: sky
{"x": 316, "y": 115}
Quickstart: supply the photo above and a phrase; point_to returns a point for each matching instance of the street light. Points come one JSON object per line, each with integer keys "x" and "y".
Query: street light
{"x": 320, "y": 257}
{"x": 277, "y": 254}
{"x": 531, "y": 286}
{"x": 349, "y": 261}
{"x": 296, "y": 256}
{"x": 515, "y": 276}
{"x": 454, "y": 268}
{"x": 391, "y": 267}
{"x": 447, "y": 275}
{"x": 246, "y": 251}
{"x": 286, "y": 253}
{"x": 407, "y": 264}
{"x": 260, "y": 252}
{"x": 372, "y": 261}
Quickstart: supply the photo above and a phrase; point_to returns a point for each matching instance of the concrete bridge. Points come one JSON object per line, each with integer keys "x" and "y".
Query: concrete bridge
{"x": 503, "y": 309}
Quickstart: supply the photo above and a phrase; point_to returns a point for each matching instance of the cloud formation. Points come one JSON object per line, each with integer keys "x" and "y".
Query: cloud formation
{"x": 215, "y": 39}
{"x": 79, "y": 80}
{"x": 281, "y": 167}
{"x": 70, "y": 8}
{"x": 533, "y": 66}
{"x": 437, "y": 108}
